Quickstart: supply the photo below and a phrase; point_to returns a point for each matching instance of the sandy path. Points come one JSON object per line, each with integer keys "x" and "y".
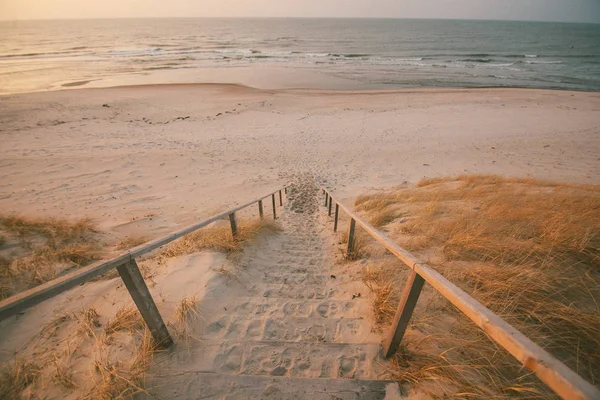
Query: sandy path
{"x": 288, "y": 314}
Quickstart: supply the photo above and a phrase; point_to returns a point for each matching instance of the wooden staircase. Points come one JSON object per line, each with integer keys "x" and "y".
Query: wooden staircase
{"x": 287, "y": 328}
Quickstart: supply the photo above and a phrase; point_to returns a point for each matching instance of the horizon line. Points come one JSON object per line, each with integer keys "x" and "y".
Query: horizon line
{"x": 295, "y": 17}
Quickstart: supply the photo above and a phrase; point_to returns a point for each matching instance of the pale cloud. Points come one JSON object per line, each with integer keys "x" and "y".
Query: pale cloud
{"x": 553, "y": 10}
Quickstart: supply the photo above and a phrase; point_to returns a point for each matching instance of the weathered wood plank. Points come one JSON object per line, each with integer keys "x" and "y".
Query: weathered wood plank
{"x": 29, "y": 298}
{"x": 351, "y": 228}
{"x": 337, "y": 215}
{"x": 329, "y": 210}
{"x": 407, "y": 304}
{"x": 260, "y": 209}
{"x": 135, "y": 284}
{"x": 280, "y": 199}
{"x": 233, "y": 223}
{"x": 274, "y": 207}
{"x": 565, "y": 382}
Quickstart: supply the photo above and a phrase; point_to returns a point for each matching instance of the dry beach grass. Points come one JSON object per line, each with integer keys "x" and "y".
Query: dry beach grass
{"x": 219, "y": 238}
{"x": 90, "y": 352}
{"x": 36, "y": 250}
{"x": 529, "y": 250}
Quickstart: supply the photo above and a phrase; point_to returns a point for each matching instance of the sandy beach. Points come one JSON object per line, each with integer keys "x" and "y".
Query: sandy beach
{"x": 181, "y": 152}
{"x": 146, "y": 160}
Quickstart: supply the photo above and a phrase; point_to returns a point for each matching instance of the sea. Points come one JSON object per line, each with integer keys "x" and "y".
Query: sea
{"x": 353, "y": 53}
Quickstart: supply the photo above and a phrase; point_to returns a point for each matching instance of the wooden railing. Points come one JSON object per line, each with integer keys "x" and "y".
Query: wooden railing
{"x": 565, "y": 382}
{"x": 128, "y": 270}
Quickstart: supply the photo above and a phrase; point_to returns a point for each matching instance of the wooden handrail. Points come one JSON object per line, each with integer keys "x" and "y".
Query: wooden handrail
{"x": 24, "y": 300}
{"x": 560, "y": 378}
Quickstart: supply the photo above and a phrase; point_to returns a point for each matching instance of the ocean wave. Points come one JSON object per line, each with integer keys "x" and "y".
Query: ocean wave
{"x": 476, "y": 60}
{"x": 518, "y": 55}
{"x": 317, "y": 54}
{"x": 544, "y": 62}
{"x": 476, "y": 55}
{"x": 416, "y": 61}
{"x": 498, "y": 65}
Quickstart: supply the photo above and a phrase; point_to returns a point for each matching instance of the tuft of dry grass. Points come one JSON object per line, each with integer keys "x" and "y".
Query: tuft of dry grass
{"x": 187, "y": 316}
{"x": 56, "y": 359}
{"x": 49, "y": 246}
{"x": 381, "y": 218}
{"x": 16, "y": 377}
{"x": 55, "y": 229}
{"x": 63, "y": 374}
{"x": 361, "y": 248}
{"x": 51, "y": 329}
{"x": 121, "y": 380}
{"x": 126, "y": 319}
{"x": 385, "y": 281}
{"x": 529, "y": 250}
{"x": 219, "y": 238}
{"x": 144, "y": 356}
{"x": 131, "y": 242}
{"x": 460, "y": 363}
{"x": 88, "y": 321}
{"x": 373, "y": 202}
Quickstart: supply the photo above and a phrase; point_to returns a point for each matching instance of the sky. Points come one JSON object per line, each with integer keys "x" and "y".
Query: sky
{"x": 541, "y": 10}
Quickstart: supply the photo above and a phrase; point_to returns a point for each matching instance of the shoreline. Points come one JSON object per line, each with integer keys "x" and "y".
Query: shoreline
{"x": 79, "y": 86}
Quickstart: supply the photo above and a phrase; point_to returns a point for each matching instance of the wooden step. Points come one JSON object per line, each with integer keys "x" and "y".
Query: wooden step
{"x": 202, "y": 385}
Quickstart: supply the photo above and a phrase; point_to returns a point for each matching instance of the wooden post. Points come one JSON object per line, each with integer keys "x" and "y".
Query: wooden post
{"x": 260, "y": 210}
{"x": 326, "y": 198}
{"x": 337, "y": 214}
{"x": 330, "y": 204}
{"x": 280, "y": 199}
{"x": 274, "y": 209}
{"x": 408, "y": 301}
{"x": 350, "y": 249}
{"x": 233, "y": 223}
{"x": 134, "y": 282}
{"x": 285, "y": 190}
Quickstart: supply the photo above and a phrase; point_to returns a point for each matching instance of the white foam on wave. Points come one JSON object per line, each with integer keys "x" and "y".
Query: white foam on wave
{"x": 531, "y": 55}
{"x": 543, "y": 62}
{"x": 416, "y": 61}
